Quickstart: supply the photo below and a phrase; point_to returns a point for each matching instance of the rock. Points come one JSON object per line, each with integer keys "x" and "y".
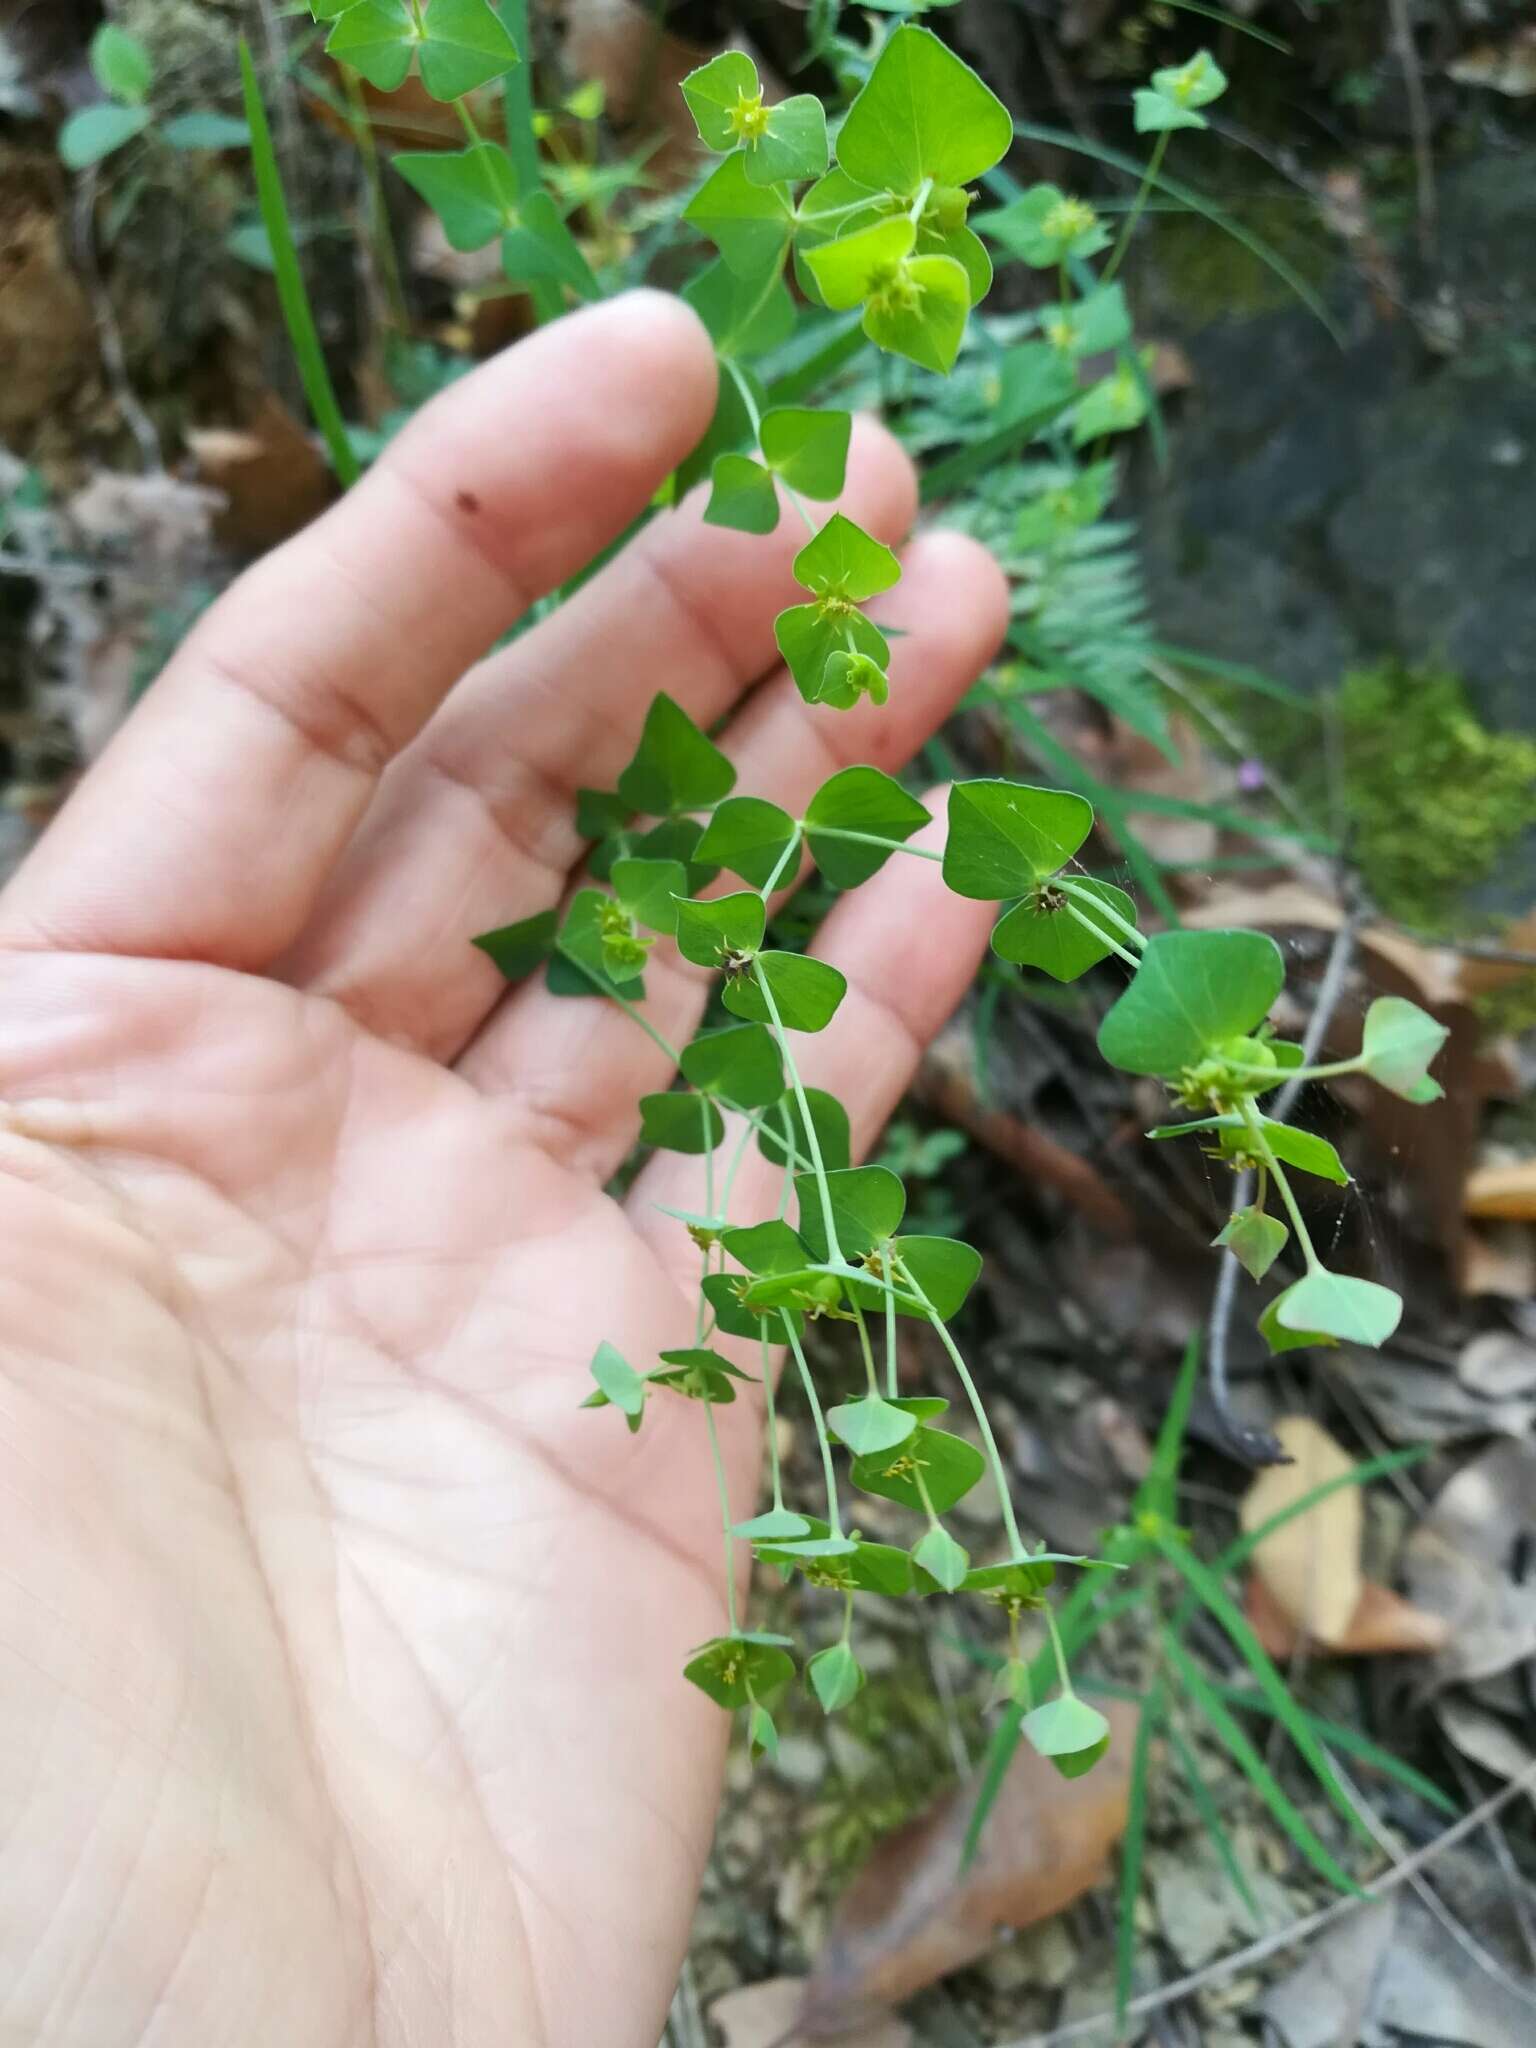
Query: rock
{"x": 800, "y": 1762}
{"x": 760, "y": 2015}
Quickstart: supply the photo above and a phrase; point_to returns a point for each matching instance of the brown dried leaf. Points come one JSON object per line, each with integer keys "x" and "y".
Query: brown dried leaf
{"x": 768, "y": 2016}
{"x": 1383, "y": 1624}
{"x": 272, "y": 474}
{"x": 1311, "y": 1567}
{"x": 910, "y": 1917}
{"x": 1505, "y": 1191}
{"x": 1463, "y": 1563}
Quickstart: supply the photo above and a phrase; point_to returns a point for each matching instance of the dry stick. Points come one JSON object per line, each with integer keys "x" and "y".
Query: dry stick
{"x": 1286, "y": 1937}
{"x": 1257, "y": 1446}
{"x": 1418, "y": 123}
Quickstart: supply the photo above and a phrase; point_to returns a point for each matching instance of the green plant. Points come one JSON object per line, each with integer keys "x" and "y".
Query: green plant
{"x": 874, "y": 229}
{"x": 125, "y": 71}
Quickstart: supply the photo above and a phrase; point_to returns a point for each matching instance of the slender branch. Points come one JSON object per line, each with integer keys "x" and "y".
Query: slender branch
{"x": 1138, "y": 207}
{"x": 1100, "y": 908}
{"x": 725, "y": 1515}
{"x": 813, "y": 1142}
{"x": 1103, "y": 937}
{"x": 828, "y": 1471}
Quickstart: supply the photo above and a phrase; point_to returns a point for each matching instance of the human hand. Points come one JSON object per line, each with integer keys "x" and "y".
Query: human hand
{"x": 340, "y": 1655}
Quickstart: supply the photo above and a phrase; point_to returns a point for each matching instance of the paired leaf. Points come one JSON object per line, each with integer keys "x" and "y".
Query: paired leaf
{"x": 749, "y": 836}
{"x": 736, "y": 1669}
{"x": 675, "y": 767}
{"x": 859, "y": 800}
{"x": 740, "y": 1063}
{"x": 829, "y": 1120}
{"x": 743, "y": 320}
{"x": 742, "y": 496}
{"x": 1069, "y": 1732}
{"x": 942, "y": 1558}
{"x": 807, "y": 448}
{"x": 814, "y": 637}
{"x": 1192, "y": 993}
{"x": 1004, "y": 837}
{"x": 949, "y": 1467}
{"x": 1398, "y": 1044}
{"x": 836, "y": 1676}
{"x": 717, "y": 92}
{"x": 711, "y": 929}
{"x": 842, "y": 560}
{"x": 870, "y": 1425}
{"x": 1043, "y": 932}
{"x": 1045, "y": 228}
{"x": 1339, "y": 1306}
{"x": 647, "y": 889}
{"x": 472, "y": 191}
{"x": 94, "y": 132}
{"x": 923, "y": 316}
{"x": 463, "y": 45}
{"x": 749, "y": 224}
{"x": 618, "y": 1384}
{"x": 679, "y": 1122}
{"x": 582, "y": 964}
{"x": 805, "y": 992}
{"x": 1254, "y": 1239}
{"x": 867, "y": 1204}
{"x": 1174, "y": 94}
{"x": 122, "y": 66}
{"x": 922, "y": 113}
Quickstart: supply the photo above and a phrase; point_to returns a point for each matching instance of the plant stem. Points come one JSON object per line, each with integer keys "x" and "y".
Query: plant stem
{"x": 779, "y": 866}
{"x": 829, "y": 1473}
{"x": 1101, "y": 909}
{"x": 891, "y": 1381}
{"x": 1017, "y": 1552}
{"x": 731, "y": 1172}
{"x": 812, "y": 1141}
{"x": 866, "y": 1347}
{"x": 1276, "y": 1171}
{"x": 378, "y": 210}
{"x": 725, "y": 1515}
{"x": 756, "y": 421}
{"x": 1138, "y": 206}
{"x": 770, "y": 1419}
{"x": 1103, "y": 938}
{"x": 870, "y": 838}
{"x": 1060, "y": 1654}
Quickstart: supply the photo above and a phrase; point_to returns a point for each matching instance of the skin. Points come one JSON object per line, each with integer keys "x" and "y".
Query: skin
{"x": 340, "y": 1693}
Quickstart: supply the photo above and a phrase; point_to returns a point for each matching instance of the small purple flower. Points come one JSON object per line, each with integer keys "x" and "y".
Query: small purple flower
{"x": 1251, "y": 775}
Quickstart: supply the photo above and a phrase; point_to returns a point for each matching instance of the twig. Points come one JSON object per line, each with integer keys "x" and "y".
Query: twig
{"x": 1299, "y": 1930}
{"x": 1418, "y": 124}
{"x": 109, "y": 338}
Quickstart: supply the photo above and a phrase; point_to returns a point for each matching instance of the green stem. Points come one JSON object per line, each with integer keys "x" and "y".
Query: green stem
{"x": 780, "y": 865}
{"x": 731, "y": 1172}
{"x": 812, "y": 1140}
{"x": 891, "y": 1382}
{"x": 1276, "y": 1171}
{"x": 1101, "y": 909}
{"x": 1103, "y": 937}
{"x": 725, "y": 1515}
{"x": 828, "y": 1471}
{"x": 1017, "y": 1552}
{"x": 869, "y": 838}
{"x": 756, "y": 421}
{"x": 866, "y": 1347}
{"x": 1276, "y": 1075}
{"x": 920, "y": 201}
{"x": 770, "y": 1418}
{"x": 1060, "y": 1654}
{"x": 1138, "y": 206}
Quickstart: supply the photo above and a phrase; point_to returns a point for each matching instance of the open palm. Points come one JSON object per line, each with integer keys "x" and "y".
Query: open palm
{"x": 339, "y": 1654}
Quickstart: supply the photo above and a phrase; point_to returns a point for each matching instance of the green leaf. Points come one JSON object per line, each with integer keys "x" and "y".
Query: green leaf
{"x": 715, "y": 93}
{"x": 844, "y": 561}
{"x": 774, "y": 1522}
{"x": 1209, "y": 1590}
{"x": 1399, "y": 1042}
{"x": 942, "y": 1558}
{"x": 698, "y": 1374}
{"x": 541, "y": 250}
{"x": 943, "y": 1267}
{"x": 121, "y": 64}
{"x": 678, "y": 839}
{"x": 95, "y": 132}
{"x": 848, "y": 677}
{"x": 808, "y": 449}
{"x": 1042, "y": 932}
{"x": 748, "y": 835}
{"x": 1098, "y": 321}
{"x": 792, "y": 145}
{"x": 1354, "y": 1311}
{"x": 1158, "y": 1493}
{"x": 870, "y": 1424}
{"x": 378, "y": 39}
{"x": 836, "y": 1677}
{"x": 472, "y": 191}
{"x": 707, "y": 931}
{"x": 762, "y": 1732}
{"x": 740, "y": 1063}
{"x": 859, "y": 800}
{"x": 646, "y": 888}
{"x": 1115, "y": 405}
{"x": 466, "y": 45}
{"x": 205, "y": 128}
{"x": 1045, "y": 228}
{"x": 922, "y": 113}
{"x": 518, "y": 948}
{"x": 742, "y": 496}
{"x": 675, "y": 767}
{"x": 770, "y": 1247}
{"x": 1279, "y": 1339}
{"x": 743, "y": 320}
{"x": 580, "y": 966}
{"x": 1069, "y": 1732}
{"x": 1254, "y": 1239}
{"x": 617, "y": 1383}
{"x": 749, "y": 224}
{"x": 829, "y": 1120}
{"x": 723, "y": 1292}
{"x": 1304, "y": 1150}
{"x": 855, "y": 265}
{"x": 1210, "y": 1820}
{"x": 805, "y": 992}
{"x": 1015, "y": 1581}
{"x": 599, "y": 812}
{"x": 868, "y": 1203}
{"x": 1192, "y": 992}
{"x": 949, "y": 1465}
{"x": 675, "y": 1122}
{"x": 839, "y": 205}
{"x": 923, "y": 317}
{"x": 1248, "y": 1760}
{"x": 1005, "y": 837}
{"x": 1174, "y": 93}
{"x": 960, "y": 246}
{"x": 811, "y": 637}
{"x": 734, "y": 1669}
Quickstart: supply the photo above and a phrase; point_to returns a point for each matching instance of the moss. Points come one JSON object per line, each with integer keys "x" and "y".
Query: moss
{"x": 1433, "y": 797}
{"x": 1205, "y": 274}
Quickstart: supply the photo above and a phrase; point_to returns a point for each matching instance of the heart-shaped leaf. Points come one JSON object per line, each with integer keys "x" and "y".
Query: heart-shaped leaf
{"x": 1005, "y": 837}
{"x": 1048, "y": 930}
{"x": 1337, "y": 1304}
{"x": 869, "y": 805}
{"x": 740, "y": 1063}
{"x": 805, "y": 992}
{"x": 749, "y": 836}
{"x": 1192, "y": 993}
{"x": 675, "y": 767}
{"x": 870, "y": 1425}
{"x": 1254, "y": 1239}
{"x": 922, "y": 113}
{"x": 836, "y": 1677}
{"x": 1069, "y": 1732}
{"x": 1398, "y": 1043}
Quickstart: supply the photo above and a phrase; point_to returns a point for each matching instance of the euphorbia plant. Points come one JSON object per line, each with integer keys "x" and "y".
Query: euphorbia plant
{"x": 870, "y": 221}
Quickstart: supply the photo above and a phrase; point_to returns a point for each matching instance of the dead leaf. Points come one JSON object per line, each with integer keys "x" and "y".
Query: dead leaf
{"x": 1498, "y": 1364}
{"x": 272, "y": 474}
{"x": 47, "y": 342}
{"x": 1324, "y": 2001}
{"x": 639, "y": 65}
{"x": 1499, "y": 1259}
{"x": 1464, "y": 1561}
{"x": 1505, "y": 1190}
{"x": 1382, "y": 1624}
{"x": 1485, "y": 1739}
{"x": 767, "y": 2015}
{"x": 910, "y": 1917}
{"x": 1416, "y": 1404}
{"x": 1311, "y": 1566}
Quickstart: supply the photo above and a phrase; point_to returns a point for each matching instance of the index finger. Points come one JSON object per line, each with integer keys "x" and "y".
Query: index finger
{"x": 211, "y": 822}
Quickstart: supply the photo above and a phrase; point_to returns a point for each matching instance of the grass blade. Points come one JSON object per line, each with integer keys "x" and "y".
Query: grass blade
{"x": 1353, "y": 1743}
{"x": 1196, "y": 202}
{"x": 1205, "y": 1806}
{"x": 1238, "y": 673}
{"x": 1131, "y": 1852}
{"x": 1158, "y": 1492}
{"x": 1235, "y": 22}
{"x": 1213, "y": 1595}
{"x": 1263, "y": 1780}
{"x": 298, "y": 316}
